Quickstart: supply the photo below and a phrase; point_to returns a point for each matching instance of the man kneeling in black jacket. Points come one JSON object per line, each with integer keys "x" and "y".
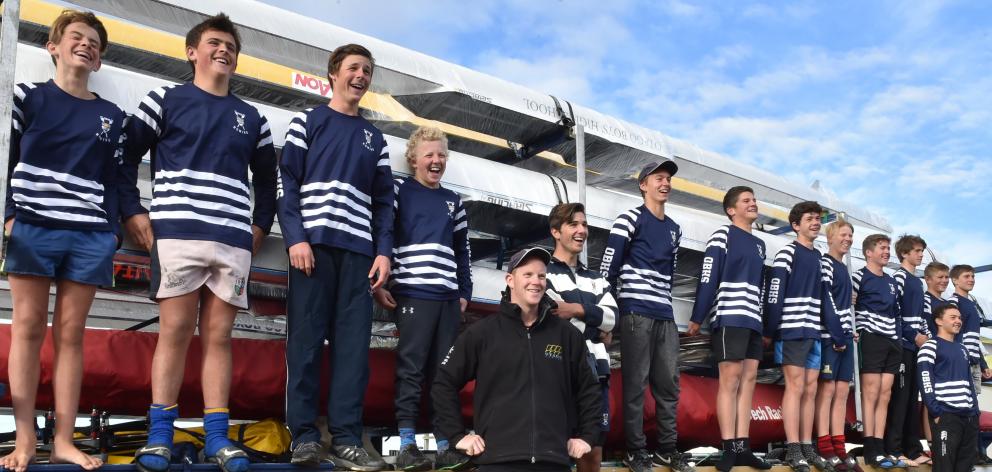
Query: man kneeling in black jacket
{"x": 533, "y": 383}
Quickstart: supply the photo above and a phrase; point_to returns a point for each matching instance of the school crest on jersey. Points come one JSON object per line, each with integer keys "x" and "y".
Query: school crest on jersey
{"x": 892, "y": 289}
{"x": 239, "y": 122}
{"x": 105, "y": 125}
{"x": 761, "y": 251}
{"x": 368, "y": 141}
{"x": 451, "y": 210}
{"x": 675, "y": 237}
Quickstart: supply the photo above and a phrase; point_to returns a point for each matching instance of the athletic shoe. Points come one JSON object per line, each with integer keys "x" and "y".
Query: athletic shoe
{"x": 852, "y": 464}
{"x": 674, "y": 460}
{"x": 638, "y": 461}
{"x": 814, "y": 459}
{"x": 307, "y": 454}
{"x": 746, "y": 457}
{"x": 356, "y": 458}
{"x": 797, "y": 464}
{"x": 410, "y": 459}
{"x": 452, "y": 459}
{"x": 837, "y": 464}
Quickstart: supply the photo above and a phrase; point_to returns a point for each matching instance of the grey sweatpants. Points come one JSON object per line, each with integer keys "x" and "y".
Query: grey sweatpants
{"x": 649, "y": 351}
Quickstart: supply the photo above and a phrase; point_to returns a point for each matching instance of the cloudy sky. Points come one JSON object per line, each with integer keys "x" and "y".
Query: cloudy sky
{"x": 887, "y": 104}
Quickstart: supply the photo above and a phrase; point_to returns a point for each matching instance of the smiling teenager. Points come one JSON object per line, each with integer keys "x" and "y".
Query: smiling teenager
{"x": 201, "y": 231}
{"x": 639, "y": 263}
{"x": 60, "y": 221}
{"x": 429, "y": 287}
{"x": 729, "y": 293}
{"x": 336, "y": 215}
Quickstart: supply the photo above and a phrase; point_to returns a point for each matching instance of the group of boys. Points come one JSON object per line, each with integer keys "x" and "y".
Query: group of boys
{"x": 355, "y": 234}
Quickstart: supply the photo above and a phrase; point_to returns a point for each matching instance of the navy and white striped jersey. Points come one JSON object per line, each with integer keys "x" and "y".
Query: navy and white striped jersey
{"x": 639, "y": 262}
{"x": 587, "y": 288}
{"x": 431, "y": 260}
{"x": 945, "y": 378}
{"x": 202, "y": 146}
{"x": 930, "y": 303}
{"x": 336, "y": 186}
{"x": 797, "y": 290}
{"x": 971, "y": 324}
{"x": 591, "y": 290}
{"x": 911, "y": 289}
{"x": 732, "y": 280}
{"x": 877, "y": 308}
{"x": 841, "y": 290}
{"x": 64, "y": 164}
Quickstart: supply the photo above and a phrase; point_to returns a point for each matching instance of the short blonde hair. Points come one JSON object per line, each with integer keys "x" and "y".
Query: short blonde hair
{"x": 424, "y": 133}
{"x": 834, "y": 227}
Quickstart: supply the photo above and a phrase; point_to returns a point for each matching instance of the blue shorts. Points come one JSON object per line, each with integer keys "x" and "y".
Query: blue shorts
{"x": 86, "y": 257}
{"x": 837, "y": 366}
{"x": 800, "y": 352}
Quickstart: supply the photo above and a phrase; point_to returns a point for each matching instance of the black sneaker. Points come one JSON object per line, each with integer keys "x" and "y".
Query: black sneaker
{"x": 638, "y": 461}
{"x": 356, "y": 458}
{"x": 814, "y": 459}
{"x": 745, "y": 456}
{"x": 410, "y": 458}
{"x": 307, "y": 454}
{"x": 452, "y": 459}
{"x": 673, "y": 460}
{"x": 852, "y": 464}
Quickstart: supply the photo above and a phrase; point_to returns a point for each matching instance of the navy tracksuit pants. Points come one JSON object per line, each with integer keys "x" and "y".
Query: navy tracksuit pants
{"x": 334, "y": 303}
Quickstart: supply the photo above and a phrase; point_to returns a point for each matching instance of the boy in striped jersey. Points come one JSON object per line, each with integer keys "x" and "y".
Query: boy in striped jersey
{"x": 639, "y": 262}
{"x": 936, "y": 275}
{"x": 730, "y": 293}
{"x": 60, "y": 221}
{"x": 203, "y": 141}
{"x": 336, "y": 215}
{"x": 879, "y": 327}
{"x": 949, "y": 394}
{"x": 431, "y": 281}
{"x": 902, "y": 435}
{"x": 963, "y": 278}
{"x": 798, "y": 306}
{"x": 837, "y": 363}
{"x": 584, "y": 298}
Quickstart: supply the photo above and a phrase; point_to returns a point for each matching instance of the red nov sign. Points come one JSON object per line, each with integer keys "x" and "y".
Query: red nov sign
{"x": 311, "y": 84}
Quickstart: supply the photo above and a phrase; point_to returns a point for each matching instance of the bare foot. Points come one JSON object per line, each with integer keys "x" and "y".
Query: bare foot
{"x": 70, "y": 454}
{"x": 19, "y": 459}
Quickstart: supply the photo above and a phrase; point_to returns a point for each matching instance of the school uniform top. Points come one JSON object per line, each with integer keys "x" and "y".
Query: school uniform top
{"x": 731, "y": 283}
{"x": 971, "y": 325}
{"x": 336, "y": 186}
{"x": 910, "y": 289}
{"x": 202, "y": 146}
{"x": 839, "y": 281}
{"x": 639, "y": 262}
{"x": 64, "y": 164}
{"x": 930, "y": 303}
{"x": 591, "y": 290}
{"x": 431, "y": 259}
{"x": 877, "y": 308}
{"x": 945, "y": 378}
{"x": 798, "y": 295}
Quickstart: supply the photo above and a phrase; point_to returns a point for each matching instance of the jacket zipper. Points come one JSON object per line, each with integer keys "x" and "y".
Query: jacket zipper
{"x": 533, "y": 402}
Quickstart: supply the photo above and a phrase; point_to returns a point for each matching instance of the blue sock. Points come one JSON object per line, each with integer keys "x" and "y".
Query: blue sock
{"x": 407, "y": 437}
{"x": 215, "y": 425}
{"x": 442, "y": 445}
{"x": 160, "y": 420}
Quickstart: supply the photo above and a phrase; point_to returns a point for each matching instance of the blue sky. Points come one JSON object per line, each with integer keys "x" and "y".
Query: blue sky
{"x": 888, "y": 104}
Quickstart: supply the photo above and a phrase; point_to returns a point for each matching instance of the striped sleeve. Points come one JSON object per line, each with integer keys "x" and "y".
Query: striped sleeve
{"x": 382, "y": 203}
{"x": 830, "y": 317}
{"x": 777, "y": 283}
{"x": 264, "y": 178}
{"x": 142, "y": 132}
{"x": 463, "y": 251}
{"x": 290, "y": 175}
{"x": 926, "y": 359}
{"x": 709, "y": 277}
{"x": 617, "y": 244}
{"x": 18, "y": 124}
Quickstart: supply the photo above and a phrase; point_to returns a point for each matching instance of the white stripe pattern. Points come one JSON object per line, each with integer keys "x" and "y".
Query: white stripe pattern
{"x": 337, "y": 205}
{"x": 189, "y": 195}
{"x": 428, "y": 263}
{"x": 56, "y": 194}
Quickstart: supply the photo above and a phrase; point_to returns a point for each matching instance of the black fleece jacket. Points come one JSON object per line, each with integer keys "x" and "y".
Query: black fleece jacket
{"x": 533, "y": 387}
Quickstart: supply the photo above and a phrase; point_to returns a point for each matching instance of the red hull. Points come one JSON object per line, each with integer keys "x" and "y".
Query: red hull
{"x": 116, "y": 379}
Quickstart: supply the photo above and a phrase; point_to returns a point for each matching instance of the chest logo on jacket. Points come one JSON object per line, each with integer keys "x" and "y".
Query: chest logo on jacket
{"x": 761, "y": 251}
{"x": 674, "y": 237}
{"x": 368, "y": 141}
{"x": 239, "y": 122}
{"x": 105, "y": 125}
{"x": 892, "y": 289}
{"x": 553, "y": 352}
{"x": 451, "y": 210}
